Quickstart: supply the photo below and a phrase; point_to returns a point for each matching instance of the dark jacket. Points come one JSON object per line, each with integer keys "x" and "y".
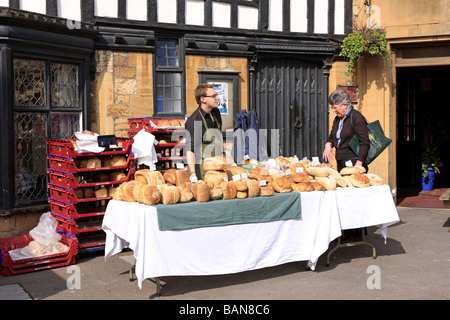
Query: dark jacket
{"x": 343, "y": 152}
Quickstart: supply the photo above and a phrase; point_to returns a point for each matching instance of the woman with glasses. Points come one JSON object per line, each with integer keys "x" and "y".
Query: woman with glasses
{"x": 204, "y": 118}
{"x": 343, "y": 130}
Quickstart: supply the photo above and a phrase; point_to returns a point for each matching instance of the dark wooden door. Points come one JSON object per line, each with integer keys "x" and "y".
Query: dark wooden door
{"x": 291, "y": 103}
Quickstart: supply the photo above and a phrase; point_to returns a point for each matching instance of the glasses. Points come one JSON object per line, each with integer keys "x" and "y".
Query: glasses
{"x": 213, "y": 96}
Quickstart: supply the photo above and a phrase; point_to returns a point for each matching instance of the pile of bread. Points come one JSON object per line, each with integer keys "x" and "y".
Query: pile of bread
{"x": 100, "y": 161}
{"x": 222, "y": 181}
{"x": 163, "y": 123}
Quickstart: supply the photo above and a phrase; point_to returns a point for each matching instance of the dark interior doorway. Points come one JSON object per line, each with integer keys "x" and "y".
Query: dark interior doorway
{"x": 423, "y": 121}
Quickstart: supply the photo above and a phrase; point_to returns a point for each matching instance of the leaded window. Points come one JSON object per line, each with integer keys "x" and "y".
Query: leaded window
{"x": 46, "y": 106}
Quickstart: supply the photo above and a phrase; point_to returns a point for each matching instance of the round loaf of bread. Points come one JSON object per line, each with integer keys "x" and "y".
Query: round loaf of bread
{"x": 240, "y": 185}
{"x": 300, "y": 177}
{"x": 303, "y": 186}
{"x": 327, "y": 182}
{"x": 241, "y": 194}
{"x": 266, "y": 191}
{"x": 359, "y": 180}
{"x": 282, "y": 185}
{"x": 214, "y": 163}
{"x": 374, "y": 179}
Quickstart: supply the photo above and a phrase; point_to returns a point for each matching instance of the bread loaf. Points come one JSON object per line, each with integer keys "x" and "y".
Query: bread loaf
{"x": 240, "y": 185}
{"x": 266, "y": 191}
{"x": 170, "y": 176}
{"x": 359, "y": 180}
{"x": 228, "y": 190}
{"x": 300, "y": 177}
{"x": 117, "y": 176}
{"x": 253, "y": 188}
{"x": 282, "y": 185}
{"x": 215, "y": 193}
{"x": 260, "y": 173}
{"x": 374, "y": 179}
{"x": 90, "y": 163}
{"x": 303, "y": 187}
{"x": 169, "y": 194}
{"x": 202, "y": 192}
{"x": 186, "y": 194}
{"x": 214, "y": 163}
{"x": 318, "y": 171}
{"x": 118, "y": 161}
{"x": 146, "y": 194}
{"x": 235, "y": 171}
{"x": 149, "y": 177}
{"x": 214, "y": 176}
{"x": 317, "y": 186}
{"x": 327, "y": 182}
{"x": 88, "y": 193}
{"x": 241, "y": 194}
{"x": 349, "y": 170}
{"x": 340, "y": 181}
{"x": 348, "y": 181}
{"x": 182, "y": 177}
{"x": 101, "y": 193}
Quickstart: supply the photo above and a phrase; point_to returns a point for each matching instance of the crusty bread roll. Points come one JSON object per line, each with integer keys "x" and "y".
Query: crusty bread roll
{"x": 170, "y": 176}
{"x": 228, "y": 189}
{"x": 374, "y": 179}
{"x": 300, "y": 177}
{"x": 215, "y": 176}
{"x": 303, "y": 186}
{"x": 202, "y": 192}
{"x": 266, "y": 191}
{"x": 117, "y": 176}
{"x": 241, "y": 185}
{"x": 327, "y": 182}
{"x": 214, "y": 163}
{"x": 241, "y": 194}
{"x": 318, "y": 171}
{"x": 359, "y": 180}
{"x": 215, "y": 192}
{"x": 253, "y": 188}
{"x": 282, "y": 185}
{"x": 149, "y": 177}
{"x": 118, "y": 161}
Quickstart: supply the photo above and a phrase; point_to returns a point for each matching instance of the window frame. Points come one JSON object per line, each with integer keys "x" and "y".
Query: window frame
{"x": 180, "y": 69}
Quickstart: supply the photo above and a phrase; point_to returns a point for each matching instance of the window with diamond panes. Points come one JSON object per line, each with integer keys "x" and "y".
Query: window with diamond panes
{"x": 38, "y": 116}
{"x": 168, "y": 76}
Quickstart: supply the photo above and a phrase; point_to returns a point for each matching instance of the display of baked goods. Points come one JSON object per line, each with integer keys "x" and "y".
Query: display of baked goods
{"x": 214, "y": 163}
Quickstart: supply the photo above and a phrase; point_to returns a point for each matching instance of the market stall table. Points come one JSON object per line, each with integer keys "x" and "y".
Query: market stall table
{"x": 232, "y": 248}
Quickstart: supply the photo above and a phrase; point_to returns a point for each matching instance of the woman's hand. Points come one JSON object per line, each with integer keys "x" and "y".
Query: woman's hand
{"x": 328, "y": 154}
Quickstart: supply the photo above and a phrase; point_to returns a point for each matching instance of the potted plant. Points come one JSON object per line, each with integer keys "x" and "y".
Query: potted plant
{"x": 430, "y": 166}
{"x": 364, "y": 40}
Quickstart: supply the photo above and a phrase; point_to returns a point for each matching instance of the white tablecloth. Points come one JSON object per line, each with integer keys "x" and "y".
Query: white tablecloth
{"x": 236, "y": 248}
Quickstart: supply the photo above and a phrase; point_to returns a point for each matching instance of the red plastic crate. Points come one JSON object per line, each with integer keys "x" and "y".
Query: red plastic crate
{"x": 68, "y": 164}
{"x": 81, "y": 210}
{"x": 91, "y": 240}
{"x": 68, "y": 195}
{"x": 68, "y": 179}
{"x": 10, "y": 267}
{"x": 77, "y": 226}
{"x": 65, "y": 148}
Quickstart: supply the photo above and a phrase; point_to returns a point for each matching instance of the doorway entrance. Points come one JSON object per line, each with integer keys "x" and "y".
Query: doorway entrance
{"x": 423, "y": 124}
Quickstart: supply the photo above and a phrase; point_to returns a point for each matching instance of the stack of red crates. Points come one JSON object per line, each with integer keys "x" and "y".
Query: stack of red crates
{"x": 170, "y": 152}
{"x": 78, "y": 196}
{"x": 10, "y": 267}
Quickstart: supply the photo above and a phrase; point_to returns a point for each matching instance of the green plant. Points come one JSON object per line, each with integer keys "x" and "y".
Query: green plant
{"x": 430, "y": 160}
{"x": 371, "y": 40}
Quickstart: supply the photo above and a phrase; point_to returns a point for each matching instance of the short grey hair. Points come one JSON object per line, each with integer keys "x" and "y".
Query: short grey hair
{"x": 339, "y": 97}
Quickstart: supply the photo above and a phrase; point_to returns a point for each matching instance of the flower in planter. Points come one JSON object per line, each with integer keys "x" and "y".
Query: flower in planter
{"x": 370, "y": 40}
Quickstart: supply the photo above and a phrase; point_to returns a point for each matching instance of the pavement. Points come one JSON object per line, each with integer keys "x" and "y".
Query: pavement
{"x": 413, "y": 264}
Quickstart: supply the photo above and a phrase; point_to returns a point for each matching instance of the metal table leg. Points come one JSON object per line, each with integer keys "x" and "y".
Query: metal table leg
{"x": 352, "y": 244}
{"x": 157, "y": 281}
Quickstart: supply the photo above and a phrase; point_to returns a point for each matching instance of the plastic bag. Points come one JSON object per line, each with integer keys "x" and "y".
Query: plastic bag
{"x": 45, "y": 232}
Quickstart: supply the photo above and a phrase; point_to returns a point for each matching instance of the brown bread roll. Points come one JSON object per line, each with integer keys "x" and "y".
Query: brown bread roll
{"x": 266, "y": 191}
{"x": 282, "y": 185}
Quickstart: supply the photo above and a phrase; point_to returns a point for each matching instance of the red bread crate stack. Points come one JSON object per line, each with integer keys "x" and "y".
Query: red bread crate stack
{"x": 10, "y": 267}
{"x": 170, "y": 134}
{"x": 80, "y": 186}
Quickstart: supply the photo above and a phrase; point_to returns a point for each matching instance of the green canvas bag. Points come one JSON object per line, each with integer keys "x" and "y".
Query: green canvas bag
{"x": 378, "y": 141}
